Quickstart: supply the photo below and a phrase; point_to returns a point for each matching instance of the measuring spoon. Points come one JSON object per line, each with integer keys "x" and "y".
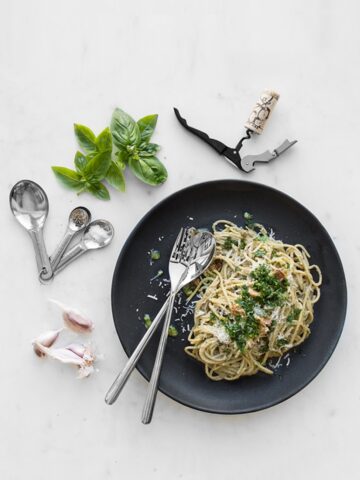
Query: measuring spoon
{"x": 98, "y": 234}
{"x": 79, "y": 218}
{"x": 30, "y": 206}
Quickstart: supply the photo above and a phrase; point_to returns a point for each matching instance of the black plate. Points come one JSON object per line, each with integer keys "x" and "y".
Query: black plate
{"x": 183, "y": 378}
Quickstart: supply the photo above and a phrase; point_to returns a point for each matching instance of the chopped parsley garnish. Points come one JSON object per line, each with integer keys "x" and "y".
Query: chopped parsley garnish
{"x": 241, "y": 328}
{"x": 229, "y": 242}
{"x": 213, "y": 317}
{"x": 293, "y": 315}
{"x": 187, "y": 290}
{"x": 281, "y": 342}
{"x": 272, "y": 290}
{"x": 154, "y": 254}
{"x": 248, "y": 220}
{"x": 147, "y": 320}
{"x": 173, "y": 331}
{"x": 260, "y": 253}
{"x": 263, "y": 237}
{"x": 242, "y": 244}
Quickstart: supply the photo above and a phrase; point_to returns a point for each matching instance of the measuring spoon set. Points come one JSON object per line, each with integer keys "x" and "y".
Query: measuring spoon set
{"x": 30, "y": 206}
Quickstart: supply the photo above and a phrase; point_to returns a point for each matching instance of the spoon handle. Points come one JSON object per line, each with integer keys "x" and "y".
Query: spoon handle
{"x": 155, "y": 376}
{"x": 120, "y": 381}
{"x": 71, "y": 255}
{"x": 42, "y": 258}
{"x": 60, "y": 249}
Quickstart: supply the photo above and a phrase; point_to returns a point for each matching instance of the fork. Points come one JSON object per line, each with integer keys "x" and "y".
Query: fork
{"x": 178, "y": 266}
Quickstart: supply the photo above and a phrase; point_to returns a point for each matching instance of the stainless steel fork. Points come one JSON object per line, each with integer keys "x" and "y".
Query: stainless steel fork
{"x": 178, "y": 266}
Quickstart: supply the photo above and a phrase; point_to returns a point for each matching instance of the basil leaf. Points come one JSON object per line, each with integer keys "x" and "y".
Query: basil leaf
{"x": 97, "y": 167}
{"x": 116, "y": 177}
{"x": 124, "y": 129}
{"x": 148, "y": 149}
{"x": 147, "y": 126}
{"x": 99, "y": 191}
{"x": 86, "y": 138}
{"x": 69, "y": 177}
{"x": 148, "y": 169}
{"x": 80, "y": 162}
{"x": 121, "y": 159}
{"x": 104, "y": 141}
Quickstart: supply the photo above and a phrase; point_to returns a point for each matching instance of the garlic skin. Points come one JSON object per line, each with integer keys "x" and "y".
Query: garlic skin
{"x": 74, "y": 320}
{"x": 46, "y": 340}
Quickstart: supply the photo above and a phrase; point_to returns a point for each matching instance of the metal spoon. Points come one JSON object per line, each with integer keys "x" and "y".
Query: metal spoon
{"x": 196, "y": 268}
{"x": 30, "y": 206}
{"x": 79, "y": 218}
{"x": 98, "y": 234}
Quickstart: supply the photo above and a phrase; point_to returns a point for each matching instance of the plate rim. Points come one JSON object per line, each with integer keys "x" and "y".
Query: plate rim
{"x": 265, "y": 405}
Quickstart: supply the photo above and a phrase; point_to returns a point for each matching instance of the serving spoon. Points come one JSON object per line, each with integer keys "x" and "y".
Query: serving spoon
{"x": 98, "y": 234}
{"x": 30, "y": 206}
{"x": 195, "y": 269}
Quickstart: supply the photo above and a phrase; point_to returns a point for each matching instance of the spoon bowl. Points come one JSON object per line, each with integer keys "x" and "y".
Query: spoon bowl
{"x": 98, "y": 234}
{"x": 29, "y": 204}
{"x": 78, "y": 218}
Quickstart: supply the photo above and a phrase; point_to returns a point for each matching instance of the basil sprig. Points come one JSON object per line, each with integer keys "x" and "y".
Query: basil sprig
{"x": 105, "y": 157}
{"x": 132, "y": 139}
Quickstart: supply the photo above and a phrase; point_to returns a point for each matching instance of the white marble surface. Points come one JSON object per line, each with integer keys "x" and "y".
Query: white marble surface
{"x": 65, "y": 62}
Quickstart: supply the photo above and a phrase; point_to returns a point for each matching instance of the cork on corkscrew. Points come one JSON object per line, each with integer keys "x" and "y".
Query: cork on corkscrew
{"x": 261, "y": 111}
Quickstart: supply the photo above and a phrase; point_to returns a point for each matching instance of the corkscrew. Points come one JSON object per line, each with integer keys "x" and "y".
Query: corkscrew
{"x": 255, "y": 124}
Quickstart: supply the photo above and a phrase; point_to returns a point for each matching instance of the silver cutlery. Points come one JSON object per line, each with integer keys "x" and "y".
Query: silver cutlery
{"x": 30, "y": 206}
{"x": 196, "y": 269}
{"x": 79, "y": 218}
{"x": 188, "y": 250}
{"x": 98, "y": 234}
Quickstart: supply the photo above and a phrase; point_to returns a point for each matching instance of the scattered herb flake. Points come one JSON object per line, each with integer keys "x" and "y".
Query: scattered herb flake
{"x": 154, "y": 254}
{"x": 293, "y": 315}
{"x": 147, "y": 320}
{"x": 173, "y": 332}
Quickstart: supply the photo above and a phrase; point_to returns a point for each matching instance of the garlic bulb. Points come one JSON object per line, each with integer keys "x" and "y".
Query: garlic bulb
{"x": 46, "y": 339}
{"x": 74, "y": 320}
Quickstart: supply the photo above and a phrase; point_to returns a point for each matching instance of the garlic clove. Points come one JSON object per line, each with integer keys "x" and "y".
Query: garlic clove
{"x": 46, "y": 339}
{"x": 62, "y": 354}
{"x": 77, "y": 348}
{"x": 75, "y": 320}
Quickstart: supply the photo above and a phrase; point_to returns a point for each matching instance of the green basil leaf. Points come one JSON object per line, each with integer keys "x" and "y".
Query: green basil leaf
{"x": 69, "y": 177}
{"x": 80, "y": 162}
{"x": 147, "y": 126}
{"x": 148, "y": 149}
{"x": 148, "y": 169}
{"x": 104, "y": 141}
{"x": 121, "y": 159}
{"x": 99, "y": 190}
{"x": 116, "y": 177}
{"x": 96, "y": 168}
{"x": 124, "y": 129}
{"x": 86, "y": 138}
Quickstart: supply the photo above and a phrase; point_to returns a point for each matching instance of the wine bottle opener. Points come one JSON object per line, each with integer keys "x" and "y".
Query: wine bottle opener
{"x": 255, "y": 124}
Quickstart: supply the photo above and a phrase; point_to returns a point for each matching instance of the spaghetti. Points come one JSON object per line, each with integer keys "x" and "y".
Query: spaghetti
{"x": 255, "y": 301}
